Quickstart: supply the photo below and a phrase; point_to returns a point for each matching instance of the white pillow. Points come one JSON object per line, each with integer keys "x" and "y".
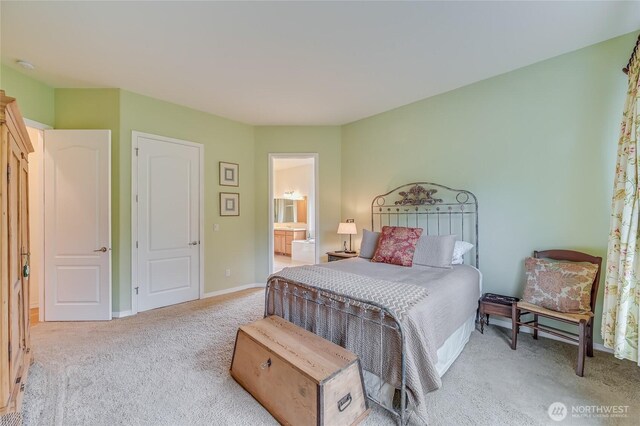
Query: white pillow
{"x": 434, "y": 250}
{"x": 459, "y": 250}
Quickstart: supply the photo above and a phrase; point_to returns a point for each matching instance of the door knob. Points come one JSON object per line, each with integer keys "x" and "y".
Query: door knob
{"x": 102, "y": 249}
{"x": 193, "y": 243}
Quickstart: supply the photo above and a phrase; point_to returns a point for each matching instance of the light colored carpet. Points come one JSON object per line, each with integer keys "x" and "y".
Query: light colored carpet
{"x": 170, "y": 366}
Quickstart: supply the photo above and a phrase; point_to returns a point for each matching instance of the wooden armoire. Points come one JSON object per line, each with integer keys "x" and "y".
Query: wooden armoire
{"x": 15, "y": 355}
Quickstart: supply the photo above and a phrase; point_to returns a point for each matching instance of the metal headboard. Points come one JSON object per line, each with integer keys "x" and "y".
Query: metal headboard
{"x": 437, "y": 209}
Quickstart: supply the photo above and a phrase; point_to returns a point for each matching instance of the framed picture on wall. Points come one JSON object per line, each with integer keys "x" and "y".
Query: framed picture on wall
{"x": 229, "y": 174}
{"x": 229, "y": 204}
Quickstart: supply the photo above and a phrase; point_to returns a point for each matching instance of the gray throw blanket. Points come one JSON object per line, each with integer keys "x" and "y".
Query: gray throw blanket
{"x": 379, "y": 348}
{"x": 397, "y": 297}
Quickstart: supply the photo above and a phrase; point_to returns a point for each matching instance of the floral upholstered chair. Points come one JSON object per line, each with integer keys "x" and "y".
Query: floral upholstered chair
{"x": 561, "y": 285}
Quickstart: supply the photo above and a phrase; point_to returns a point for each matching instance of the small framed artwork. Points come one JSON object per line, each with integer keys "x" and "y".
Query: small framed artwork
{"x": 229, "y": 174}
{"x": 229, "y": 204}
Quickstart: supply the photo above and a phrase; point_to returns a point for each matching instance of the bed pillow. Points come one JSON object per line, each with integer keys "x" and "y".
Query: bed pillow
{"x": 435, "y": 250}
{"x": 369, "y": 243}
{"x": 397, "y": 245}
{"x": 559, "y": 286}
{"x": 459, "y": 250}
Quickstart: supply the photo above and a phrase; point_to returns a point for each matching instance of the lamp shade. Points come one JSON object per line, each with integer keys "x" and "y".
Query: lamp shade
{"x": 347, "y": 228}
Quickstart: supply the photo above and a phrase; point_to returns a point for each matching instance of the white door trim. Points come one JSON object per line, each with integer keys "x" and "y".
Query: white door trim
{"x": 36, "y": 124}
{"x": 41, "y": 127}
{"x": 316, "y": 207}
{"x": 134, "y": 210}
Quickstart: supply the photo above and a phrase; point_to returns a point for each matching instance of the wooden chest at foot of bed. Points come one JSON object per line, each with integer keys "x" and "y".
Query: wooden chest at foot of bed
{"x": 301, "y": 378}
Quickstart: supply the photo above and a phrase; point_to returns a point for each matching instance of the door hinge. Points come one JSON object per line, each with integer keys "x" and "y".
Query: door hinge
{"x": 137, "y": 151}
{"x": 9, "y": 351}
{"x": 136, "y": 289}
{"x": 136, "y": 198}
{"x": 136, "y": 244}
{"x": 8, "y": 173}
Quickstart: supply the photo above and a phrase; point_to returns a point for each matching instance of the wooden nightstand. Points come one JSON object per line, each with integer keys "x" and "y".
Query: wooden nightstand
{"x": 340, "y": 255}
{"x": 494, "y": 304}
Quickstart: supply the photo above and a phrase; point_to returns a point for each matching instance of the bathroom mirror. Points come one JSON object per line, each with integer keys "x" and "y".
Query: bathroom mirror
{"x": 288, "y": 211}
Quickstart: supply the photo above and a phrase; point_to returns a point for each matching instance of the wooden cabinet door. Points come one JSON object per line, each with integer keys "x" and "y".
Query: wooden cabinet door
{"x": 287, "y": 242}
{"x": 17, "y": 307}
{"x": 278, "y": 243}
{"x": 25, "y": 240}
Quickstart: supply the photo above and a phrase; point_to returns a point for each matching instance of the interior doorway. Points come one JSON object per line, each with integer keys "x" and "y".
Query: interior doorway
{"x": 36, "y": 218}
{"x": 69, "y": 279}
{"x": 293, "y": 210}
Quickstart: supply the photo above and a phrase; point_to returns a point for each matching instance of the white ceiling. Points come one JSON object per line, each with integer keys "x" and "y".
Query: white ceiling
{"x": 297, "y": 63}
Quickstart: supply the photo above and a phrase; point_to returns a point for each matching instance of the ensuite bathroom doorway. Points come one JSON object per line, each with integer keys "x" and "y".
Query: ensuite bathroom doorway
{"x": 293, "y": 210}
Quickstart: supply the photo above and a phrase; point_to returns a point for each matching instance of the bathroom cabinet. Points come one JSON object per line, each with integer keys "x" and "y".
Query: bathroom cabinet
{"x": 282, "y": 239}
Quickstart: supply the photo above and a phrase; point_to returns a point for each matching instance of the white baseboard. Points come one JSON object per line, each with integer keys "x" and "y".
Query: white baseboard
{"x": 507, "y": 324}
{"x": 232, "y": 290}
{"x": 128, "y": 313}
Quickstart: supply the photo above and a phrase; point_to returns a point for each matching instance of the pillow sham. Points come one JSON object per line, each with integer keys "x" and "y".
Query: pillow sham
{"x": 459, "y": 250}
{"x": 558, "y": 285}
{"x": 435, "y": 250}
{"x": 369, "y": 243}
{"x": 397, "y": 245}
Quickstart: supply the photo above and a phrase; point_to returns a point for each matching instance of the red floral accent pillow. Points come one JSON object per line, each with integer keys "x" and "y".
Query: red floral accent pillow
{"x": 397, "y": 245}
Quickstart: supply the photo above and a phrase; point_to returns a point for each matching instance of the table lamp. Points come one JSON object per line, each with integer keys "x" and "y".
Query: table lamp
{"x": 347, "y": 228}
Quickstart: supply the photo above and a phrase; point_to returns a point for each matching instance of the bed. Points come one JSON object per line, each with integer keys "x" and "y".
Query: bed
{"x": 407, "y": 324}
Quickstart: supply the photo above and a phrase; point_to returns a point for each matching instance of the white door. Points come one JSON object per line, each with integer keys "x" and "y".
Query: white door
{"x": 77, "y": 225}
{"x": 168, "y": 251}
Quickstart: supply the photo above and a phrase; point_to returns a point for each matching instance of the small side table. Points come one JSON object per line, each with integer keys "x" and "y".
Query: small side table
{"x": 340, "y": 255}
{"x": 494, "y": 304}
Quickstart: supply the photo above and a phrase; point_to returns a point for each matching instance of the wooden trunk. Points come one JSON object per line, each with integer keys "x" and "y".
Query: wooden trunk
{"x": 14, "y": 248}
{"x": 299, "y": 377}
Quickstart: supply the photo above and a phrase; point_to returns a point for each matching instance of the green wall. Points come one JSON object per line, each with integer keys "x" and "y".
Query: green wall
{"x": 324, "y": 140}
{"x": 36, "y": 100}
{"x": 536, "y": 145}
{"x": 224, "y": 140}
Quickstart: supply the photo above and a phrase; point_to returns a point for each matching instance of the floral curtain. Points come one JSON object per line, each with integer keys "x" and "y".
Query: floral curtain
{"x": 621, "y": 308}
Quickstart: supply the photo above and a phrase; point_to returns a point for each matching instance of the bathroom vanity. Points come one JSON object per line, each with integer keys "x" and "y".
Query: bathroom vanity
{"x": 282, "y": 239}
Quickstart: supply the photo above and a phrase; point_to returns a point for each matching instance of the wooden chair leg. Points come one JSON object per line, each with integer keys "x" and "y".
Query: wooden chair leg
{"x": 582, "y": 343}
{"x": 590, "y": 338}
{"x": 535, "y": 323}
{"x": 515, "y": 318}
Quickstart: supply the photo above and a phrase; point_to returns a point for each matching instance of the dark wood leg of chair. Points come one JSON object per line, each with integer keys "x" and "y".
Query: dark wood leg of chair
{"x": 487, "y": 316}
{"x": 590, "y": 338}
{"x": 582, "y": 343}
{"x": 535, "y": 323}
{"x": 515, "y": 317}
